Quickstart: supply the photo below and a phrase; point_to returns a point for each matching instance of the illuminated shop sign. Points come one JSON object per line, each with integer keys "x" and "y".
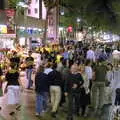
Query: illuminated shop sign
{"x": 3, "y": 29}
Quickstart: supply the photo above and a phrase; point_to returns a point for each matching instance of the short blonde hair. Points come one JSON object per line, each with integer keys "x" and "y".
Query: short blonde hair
{"x": 81, "y": 67}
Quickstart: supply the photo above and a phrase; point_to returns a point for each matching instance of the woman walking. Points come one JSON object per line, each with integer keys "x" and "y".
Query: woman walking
{"x": 13, "y": 87}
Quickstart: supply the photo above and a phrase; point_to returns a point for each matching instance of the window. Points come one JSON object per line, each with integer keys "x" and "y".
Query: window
{"x": 29, "y": 11}
{"x": 36, "y": 10}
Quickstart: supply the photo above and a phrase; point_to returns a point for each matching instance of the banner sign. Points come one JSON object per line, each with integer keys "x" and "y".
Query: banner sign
{"x": 10, "y": 14}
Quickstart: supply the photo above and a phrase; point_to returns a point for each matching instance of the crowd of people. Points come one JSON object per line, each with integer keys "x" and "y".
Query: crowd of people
{"x": 82, "y": 76}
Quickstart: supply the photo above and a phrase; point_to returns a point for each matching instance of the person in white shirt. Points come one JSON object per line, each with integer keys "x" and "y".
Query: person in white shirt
{"x": 116, "y": 57}
{"x": 91, "y": 54}
{"x": 115, "y": 83}
{"x": 89, "y": 72}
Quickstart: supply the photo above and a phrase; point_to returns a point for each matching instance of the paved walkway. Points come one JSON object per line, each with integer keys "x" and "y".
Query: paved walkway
{"x": 27, "y": 111}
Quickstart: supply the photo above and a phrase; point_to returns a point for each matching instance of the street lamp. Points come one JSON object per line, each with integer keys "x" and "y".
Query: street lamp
{"x": 78, "y": 20}
{"x": 62, "y": 13}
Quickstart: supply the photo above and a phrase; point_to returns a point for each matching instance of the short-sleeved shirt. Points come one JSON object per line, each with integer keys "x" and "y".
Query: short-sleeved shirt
{"x": 29, "y": 61}
{"x": 15, "y": 60}
{"x": 12, "y": 78}
{"x": 100, "y": 73}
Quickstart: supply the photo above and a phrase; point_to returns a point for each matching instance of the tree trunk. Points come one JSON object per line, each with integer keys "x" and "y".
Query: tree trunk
{"x": 45, "y": 29}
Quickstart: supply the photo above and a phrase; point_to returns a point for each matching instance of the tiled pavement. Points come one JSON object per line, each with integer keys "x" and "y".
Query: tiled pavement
{"x": 27, "y": 111}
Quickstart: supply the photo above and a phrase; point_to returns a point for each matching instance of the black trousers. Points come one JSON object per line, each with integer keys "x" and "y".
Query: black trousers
{"x": 77, "y": 101}
{"x": 73, "y": 104}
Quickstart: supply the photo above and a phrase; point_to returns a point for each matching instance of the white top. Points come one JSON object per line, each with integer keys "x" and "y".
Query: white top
{"x": 108, "y": 95}
{"x": 91, "y": 55}
{"x": 86, "y": 83}
{"x": 116, "y": 54}
{"x": 116, "y": 79}
{"x": 48, "y": 70}
{"x": 89, "y": 72}
{"x": 109, "y": 76}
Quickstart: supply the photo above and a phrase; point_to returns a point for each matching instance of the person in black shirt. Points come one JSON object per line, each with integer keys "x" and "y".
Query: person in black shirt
{"x": 15, "y": 60}
{"x": 29, "y": 64}
{"x": 55, "y": 81}
{"x": 72, "y": 85}
{"x": 13, "y": 87}
{"x": 41, "y": 89}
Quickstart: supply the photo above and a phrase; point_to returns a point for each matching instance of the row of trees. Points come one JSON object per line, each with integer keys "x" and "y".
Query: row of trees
{"x": 101, "y": 14}
{"x": 98, "y": 14}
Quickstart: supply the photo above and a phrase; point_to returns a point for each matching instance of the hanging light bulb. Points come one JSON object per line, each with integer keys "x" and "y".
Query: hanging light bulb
{"x": 78, "y": 20}
{"x": 62, "y": 13}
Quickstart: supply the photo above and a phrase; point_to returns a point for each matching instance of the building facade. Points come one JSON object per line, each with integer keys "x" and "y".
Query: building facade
{"x": 37, "y": 9}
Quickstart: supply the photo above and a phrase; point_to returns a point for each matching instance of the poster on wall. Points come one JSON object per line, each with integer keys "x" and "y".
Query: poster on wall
{"x": 10, "y": 14}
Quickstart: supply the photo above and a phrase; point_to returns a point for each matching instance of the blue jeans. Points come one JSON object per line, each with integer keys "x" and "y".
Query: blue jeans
{"x": 45, "y": 101}
{"x": 41, "y": 102}
{"x": 29, "y": 76}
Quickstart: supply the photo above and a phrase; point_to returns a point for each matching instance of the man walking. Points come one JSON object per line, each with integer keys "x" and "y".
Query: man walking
{"x": 29, "y": 64}
{"x": 72, "y": 85}
{"x": 99, "y": 86}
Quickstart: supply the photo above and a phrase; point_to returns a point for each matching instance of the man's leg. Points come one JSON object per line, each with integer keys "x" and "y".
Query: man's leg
{"x": 94, "y": 97}
{"x": 101, "y": 95}
{"x": 29, "y": 74}
{"x": 83, "y": 110}
{"x": 45, "y": 102}
{"x": 70, "y": 107}
{"x": 38, "y": 104}
{"x": 57, "y": 98}
{"x": 52, "y": 95}
{"x": 31, "y": 82}
{"x": 77, "y": 103}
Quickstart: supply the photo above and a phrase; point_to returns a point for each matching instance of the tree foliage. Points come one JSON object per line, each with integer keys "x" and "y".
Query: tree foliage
{"x": 13, "y": 3}
{"x": 49, "y": 4}
{"x": 102, "y": 14}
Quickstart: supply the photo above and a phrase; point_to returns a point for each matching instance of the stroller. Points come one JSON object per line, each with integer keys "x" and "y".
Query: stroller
{"x": 115, "y": 113}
